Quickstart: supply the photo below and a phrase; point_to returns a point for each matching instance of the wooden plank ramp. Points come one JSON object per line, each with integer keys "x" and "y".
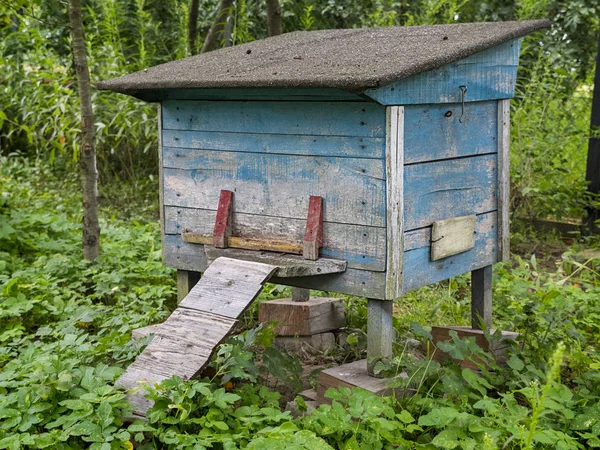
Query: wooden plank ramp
{"x": 185, "y": 342}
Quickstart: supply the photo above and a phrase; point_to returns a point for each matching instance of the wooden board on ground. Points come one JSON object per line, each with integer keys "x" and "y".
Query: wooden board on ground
{"x": 498, "y": 347}
{"x": 352, "y": 375}
{"x": 185, "y": 342}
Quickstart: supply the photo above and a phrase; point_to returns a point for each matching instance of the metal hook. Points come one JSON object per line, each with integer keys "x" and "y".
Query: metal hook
{"x": 463, "y": 94}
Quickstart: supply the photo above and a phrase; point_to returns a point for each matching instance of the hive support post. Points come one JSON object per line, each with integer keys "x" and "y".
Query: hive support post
{"x": 300, "y": 294}
{"x": 481, "y": 298}
{"x": 380, "y": 332}
{"x": 186, "y": 280}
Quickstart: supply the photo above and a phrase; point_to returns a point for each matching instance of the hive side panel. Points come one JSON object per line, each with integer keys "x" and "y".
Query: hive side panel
{"x": 274, "y": 156}
{"x": 451, "y": 171}
{"x": 488, "y": 75}
{"x": 394, "y": 162}
{"x": 449, "y": 188}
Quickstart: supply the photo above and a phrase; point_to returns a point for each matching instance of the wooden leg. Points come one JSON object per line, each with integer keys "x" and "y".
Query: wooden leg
{"x": 481, "y": 298}
{"x": 300, "y": 294}
{"x": 186, "y": 280}
{"x": 380, "y": 332}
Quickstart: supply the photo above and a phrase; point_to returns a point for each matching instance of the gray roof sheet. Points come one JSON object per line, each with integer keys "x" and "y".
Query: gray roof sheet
{"x": 349, "y": 59}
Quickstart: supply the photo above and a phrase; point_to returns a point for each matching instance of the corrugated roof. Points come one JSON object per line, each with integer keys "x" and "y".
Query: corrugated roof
{"x": 350, "y": 59}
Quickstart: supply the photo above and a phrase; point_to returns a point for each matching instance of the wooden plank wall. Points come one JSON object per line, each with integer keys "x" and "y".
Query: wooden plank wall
{"x": 488, "y": 75}
{"x": 451, "y": 170}
{"x": 274, "y": 155}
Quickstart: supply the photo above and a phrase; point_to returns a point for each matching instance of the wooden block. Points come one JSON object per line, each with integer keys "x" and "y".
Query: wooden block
{"x": 498, "y": 348}
{"x": 317, "y": 315}
{"x": 452, "y": 236}
{"x": 352, "y": 375}
{"x": 313, "y": 345}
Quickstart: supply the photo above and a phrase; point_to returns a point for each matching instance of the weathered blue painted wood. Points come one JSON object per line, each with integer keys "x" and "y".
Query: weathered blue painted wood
{"x": 449, "y": 188}
{"x": 362, "y": 247}
{"x": 361, "y": 283}
{"x": 312, "y": 118}
{"x": 419, "y": 270}
{"x": 277, "y": 185}
{"x": 271, "y": 94}
{"x": 488, "y": 75}
{"x": 433, "y": 132}
{"x": 351, "y": 146}
{"x": 182, "y": 255}
{"x": 185, "y": 256}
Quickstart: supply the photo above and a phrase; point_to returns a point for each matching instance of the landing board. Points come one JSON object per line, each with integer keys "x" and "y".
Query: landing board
{"x": 185, "y": 342}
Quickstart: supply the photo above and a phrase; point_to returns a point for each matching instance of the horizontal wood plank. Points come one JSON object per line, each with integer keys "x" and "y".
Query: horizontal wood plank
{"x": 347, "y": 146}
{"x": 288, "y": 266}
{"x": 362, "y": 283}
{"x": 488, "y": 75}
{"x": 434, "y": 132}
{"x": 420, "y": 270}
{"x": 313, "y": 118}
{"x": 353, "y": 190}
{"x": 450, "y": 188}
{"x": 361, "y": 246}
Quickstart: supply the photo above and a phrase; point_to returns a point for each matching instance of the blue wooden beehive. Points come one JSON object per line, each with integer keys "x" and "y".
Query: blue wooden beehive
{"x": 398, "y": 129}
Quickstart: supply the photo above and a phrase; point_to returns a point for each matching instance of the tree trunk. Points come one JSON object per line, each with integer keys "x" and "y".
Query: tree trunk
{"x": 89, "y": 172}
{"x": 216, "y": 29}
{"x": 193, "y": 26}
{"x": 274, "y": 27}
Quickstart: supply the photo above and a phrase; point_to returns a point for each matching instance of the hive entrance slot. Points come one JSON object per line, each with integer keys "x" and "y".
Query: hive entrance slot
{"x": 222, "y": 235}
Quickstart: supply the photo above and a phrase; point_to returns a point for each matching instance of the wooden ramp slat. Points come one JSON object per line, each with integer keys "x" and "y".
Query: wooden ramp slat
{"x": 185, "y": 342}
